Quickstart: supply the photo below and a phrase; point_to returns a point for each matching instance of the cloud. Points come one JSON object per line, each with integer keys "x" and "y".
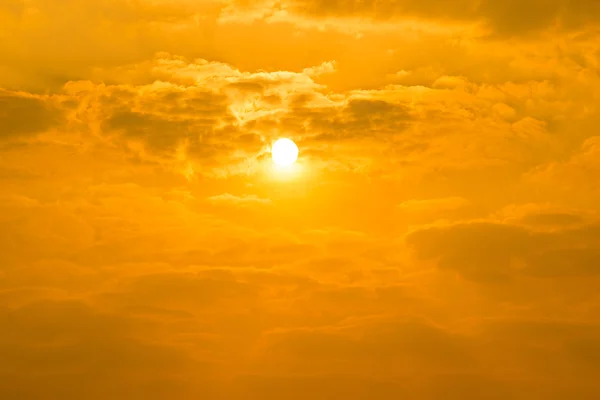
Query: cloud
{"x": 480, "y": 251}
{"x": 205, "y": 117}
{"x": 566, "y": 262}
{"x": 566, "y": 337}
{"x": 506, "y": 18}
{"x": 192, "y": 291}
{"x": 24, "y": 115}
{"x": 242, "y": 201}
{"x": 372, "y": 348}
{"x": 488, "y": 252}
{"x": 54, "y": 231}
{"x": 42, "y": 346}
{"x": 316, "y": 386}
{"x": 444, "y": 200}
{"x": 566, "y": 176}
{"x": 421, "y": 211}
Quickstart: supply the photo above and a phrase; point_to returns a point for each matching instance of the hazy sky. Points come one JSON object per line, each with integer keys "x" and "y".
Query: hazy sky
{"x": 439, "y": 237}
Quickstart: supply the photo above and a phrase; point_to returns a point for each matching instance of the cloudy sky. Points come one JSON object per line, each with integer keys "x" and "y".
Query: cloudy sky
{"x": 438, "y": 238}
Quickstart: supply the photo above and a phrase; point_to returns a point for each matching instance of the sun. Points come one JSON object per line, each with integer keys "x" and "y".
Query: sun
{"x": 284, "y": 152}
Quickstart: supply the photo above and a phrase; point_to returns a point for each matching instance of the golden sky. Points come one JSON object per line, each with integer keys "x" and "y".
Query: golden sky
{"x": 438, "y": 238}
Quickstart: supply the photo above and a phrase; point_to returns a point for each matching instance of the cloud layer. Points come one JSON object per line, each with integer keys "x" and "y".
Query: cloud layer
{"x": 437, "y": 239}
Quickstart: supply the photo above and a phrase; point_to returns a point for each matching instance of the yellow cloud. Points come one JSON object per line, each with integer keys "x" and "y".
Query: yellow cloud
{"x": 439, "y": 237}
{"x": 227, "y": 198}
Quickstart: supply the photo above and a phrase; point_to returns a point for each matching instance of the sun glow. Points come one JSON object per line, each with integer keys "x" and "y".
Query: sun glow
{"x": 284, "y": 152}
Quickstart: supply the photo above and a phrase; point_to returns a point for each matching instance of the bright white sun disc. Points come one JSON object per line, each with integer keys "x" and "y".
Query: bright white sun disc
{"x": 284, "y": 152}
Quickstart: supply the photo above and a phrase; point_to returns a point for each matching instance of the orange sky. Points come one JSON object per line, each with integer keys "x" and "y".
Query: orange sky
{"x": 439, "y": 237}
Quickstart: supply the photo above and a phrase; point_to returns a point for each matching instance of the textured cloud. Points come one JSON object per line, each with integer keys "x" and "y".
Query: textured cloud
{"x": 69, "y": 342}
{"x": 437, "y": 239}
{"x": 227, "y": 198}
{"x": 507, "y": 17}
{"x": 25, "y": 115}
{"x": 487, "y": 251}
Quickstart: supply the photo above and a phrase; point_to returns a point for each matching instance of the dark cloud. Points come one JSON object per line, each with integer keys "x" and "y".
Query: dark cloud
{"x": 388, "y": 9}
{"x": 479, "y": 251}
{"x": 188, "y": 290}
{"x": 55, "y": 350}
{"x": 24, "y": 116}
{"x": 489, "y": 252}
{"x": 12, "y": 174}
{"x": 388, "y": 343}
{"x": 318, "y": 387}
{"x": 509, "y": 17}
{"x": 360, "y": 118}
{"x": 565, "y": 262}
{"x": 552, "y": 219}
{"x": 159, "y": 134}
{"x": 563, "y": 344}
{"x": 197, "y": 123}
